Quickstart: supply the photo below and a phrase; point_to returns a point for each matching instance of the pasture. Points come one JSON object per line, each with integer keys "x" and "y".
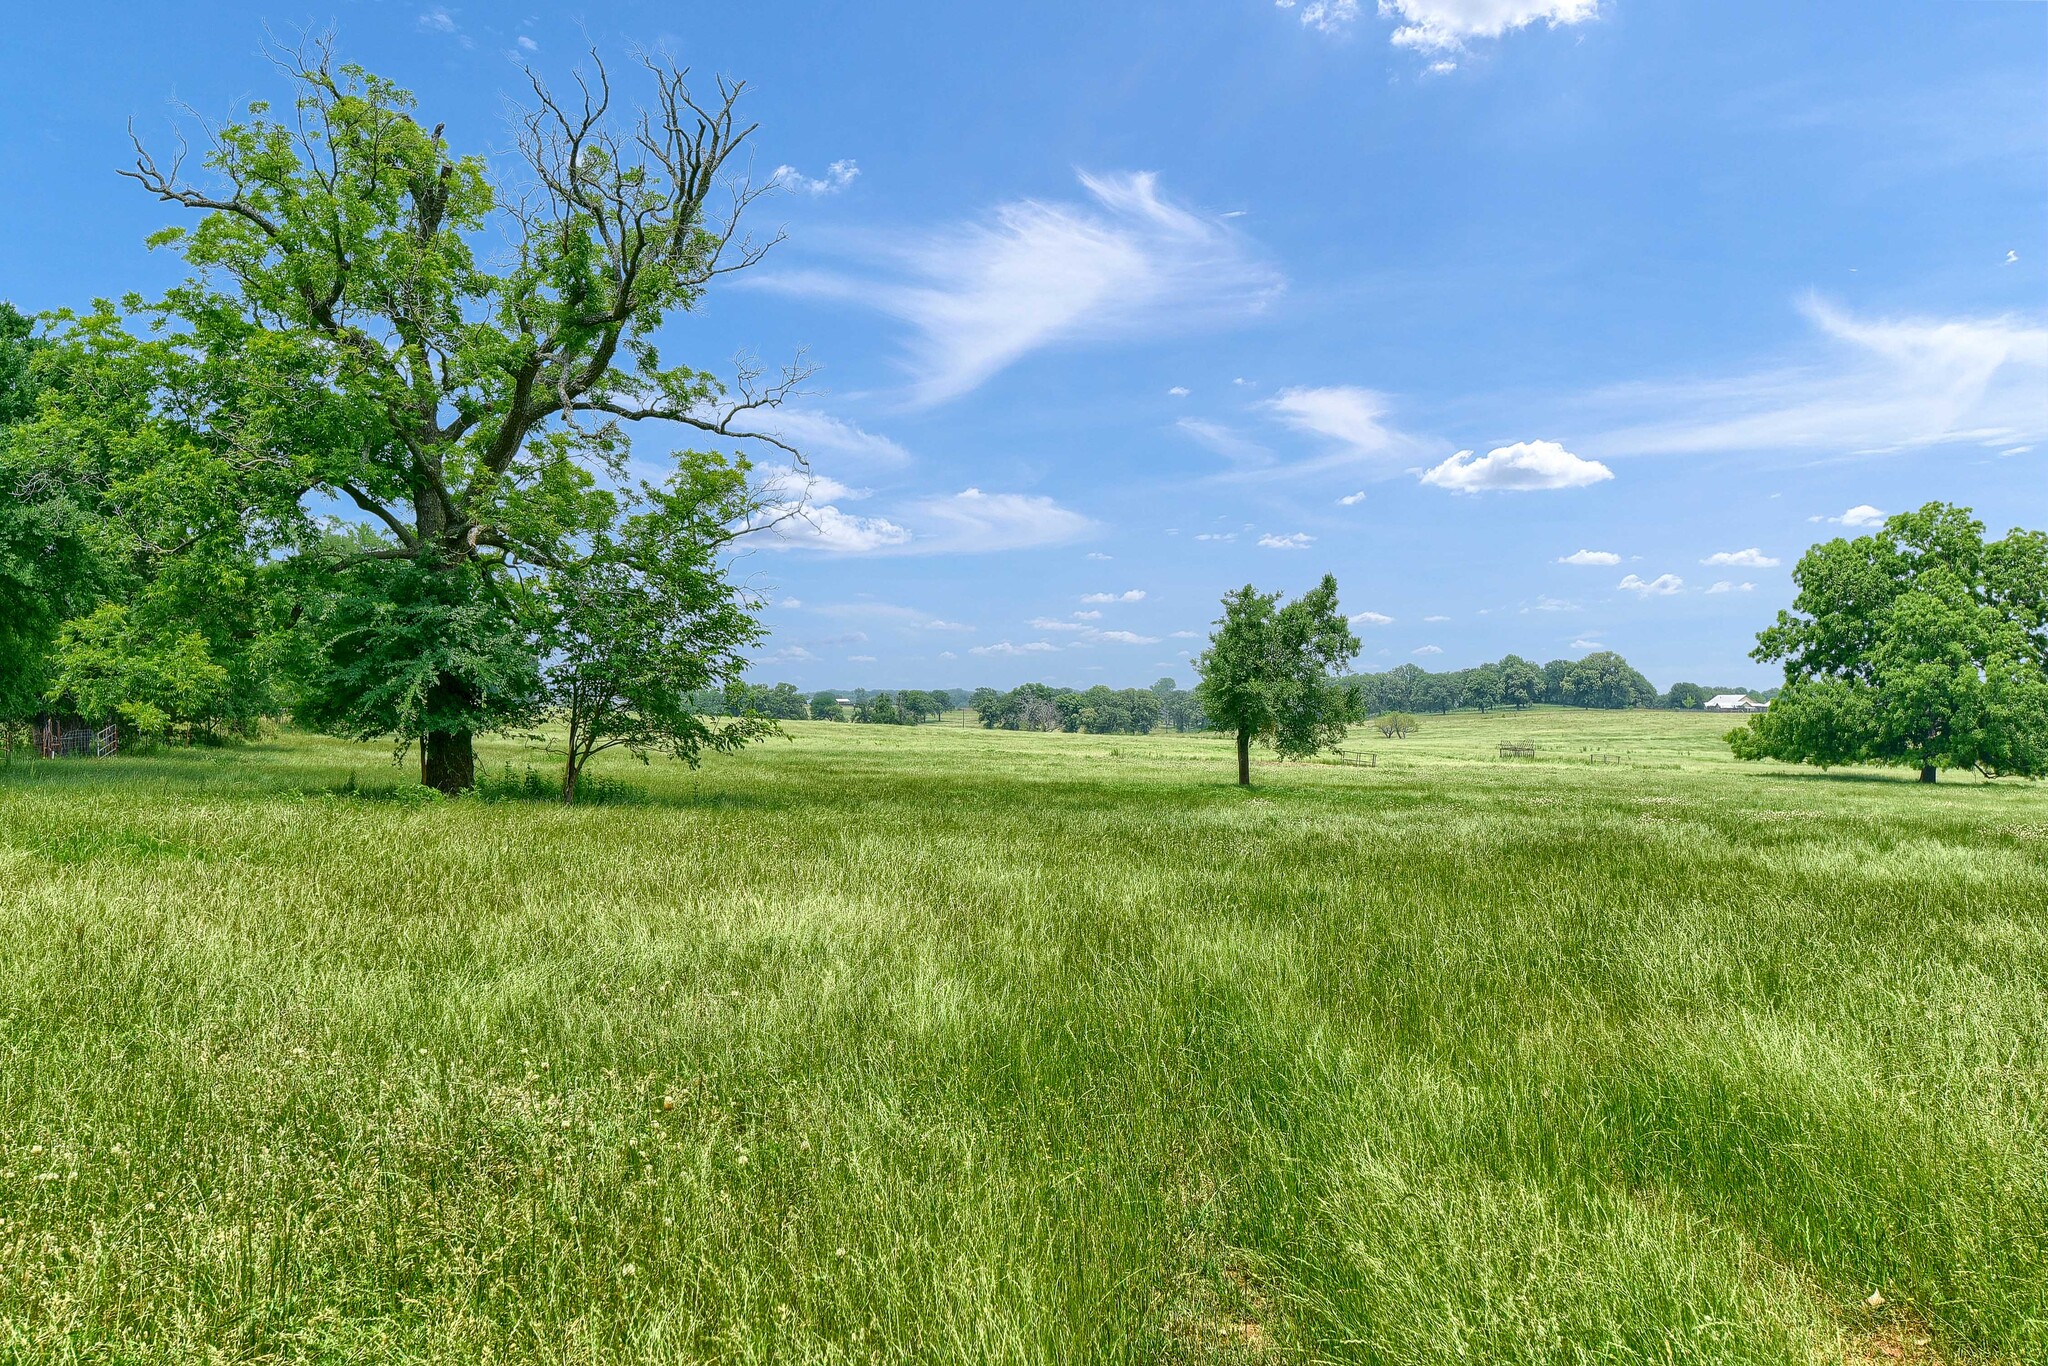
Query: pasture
{"x": 941, "y": 1045}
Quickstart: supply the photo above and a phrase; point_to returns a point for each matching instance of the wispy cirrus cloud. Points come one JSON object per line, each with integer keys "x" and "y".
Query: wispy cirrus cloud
{"x": 1869, "y": 386}
{"x": 1601, "y": 557}
{"x": 816, "y": 433}
{"x": 968, "y": 522}
{"x": 977, "y": 297}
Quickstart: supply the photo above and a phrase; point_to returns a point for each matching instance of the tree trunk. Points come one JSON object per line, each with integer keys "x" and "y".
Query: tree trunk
{"x": 1927, "y": 773}
{"x": 1244, "y": 758}
{"x": 447, "y": 761}
{"x": 571, "y": 771}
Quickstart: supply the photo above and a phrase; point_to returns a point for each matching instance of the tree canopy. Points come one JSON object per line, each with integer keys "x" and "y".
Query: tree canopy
{"x": 375, "y": 323}
{"x": 1916, "y": 645}
{"x": 1268, "y": 673}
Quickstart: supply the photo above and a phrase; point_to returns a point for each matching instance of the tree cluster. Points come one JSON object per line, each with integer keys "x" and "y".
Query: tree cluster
{"x": 1099, "y": 710}
{"x": 369, "y": 464}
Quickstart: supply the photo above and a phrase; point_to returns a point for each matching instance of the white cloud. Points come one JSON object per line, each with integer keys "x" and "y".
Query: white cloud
{"x": 814, "y": 432}
{"x": 1350, "y": 416}
{"x": 791, "y": 603}
{"x": 1590, "y": 557}
{"x": 1324, "y": 16}
{"x": 1550, "y": 604}
{"x": 1583, "y": 644}
{"x": 1186, "y": 635}
{"x": 1427, "y": 650}
{"x": 2012, "y": 258}
{"x": 1524, "y": 466}
{"x": 1128, "y": 595}
{"x": 1370, "y": 619}
{"x": 838, "y": 176}
{"x": 1877, "y": 387}
{"x": 1089, "y": 615}
{"x": 860, "y": 659}
{"x": 1724, "y": 586}
{"x": 527, "y": 44}
{"x": 1125, "y": 638}
{"x": 1299, "y": 540}
{"x": 1004, "y": 647}
{"x": 827, "y": 528}
{"x": 978, "y": 297}
{"x": 1227, "y": 442}
{"x": 1216, "y": 535}
{"x": 1663, "y": 586}
{"x": 1351, "y": 499}
{"x": 1752, "y": 558}
{"x": 1178, "y": 391}
{"x": 1863, "y": 514}
{"x": 1447, "y": 25}
{"x": 1055, "y": 624}
{"x": 438, "y": 20}
{"x": 973, "y": 520}
{"x": 1098, "y": 555}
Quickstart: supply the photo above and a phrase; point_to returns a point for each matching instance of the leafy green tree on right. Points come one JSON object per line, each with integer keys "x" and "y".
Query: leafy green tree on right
{"x": 1919, "y": 645}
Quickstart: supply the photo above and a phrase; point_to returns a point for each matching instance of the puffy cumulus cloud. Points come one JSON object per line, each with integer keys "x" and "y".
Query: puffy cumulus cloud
{"x": 1090, "y": 615}
{"x": 1324, "y": 16}
{"x": 1522, "y": 467}
{"x": 1427, "y": 650}
{"x": 1178, "y": 391}
{"x": 1127, "y": 263}
{"x": 1299, "y": 540}
{"x": 1863, "y": 514}
{"x": 1370, "y": 619}
{"x": 1128, "y": 595}
{"x": 1599, "y": 557}
{"x": 1448, "y": 25}
{"x": 1752, "y": 558}
{"x": 1663, "y": 586}
{"x": 837, "y": 177}
{"x": 827, "y": 528}
{"x": 1351, "y": 499}
{"x": 1584, "y": 644}
{"x": 1725, "y": 586}
{"x": 1004, "y": 647}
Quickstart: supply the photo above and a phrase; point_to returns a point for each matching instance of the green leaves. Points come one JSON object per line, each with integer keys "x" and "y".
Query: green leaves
{"x": 1917, "y": 645}
{"x": 1267, "y": 672}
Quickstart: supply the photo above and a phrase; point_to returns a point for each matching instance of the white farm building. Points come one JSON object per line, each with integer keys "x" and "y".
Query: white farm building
{"x": 1732, "y": 701}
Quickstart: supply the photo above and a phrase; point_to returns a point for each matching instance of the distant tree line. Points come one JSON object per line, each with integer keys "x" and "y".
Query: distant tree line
{"x": 1602, "y": 680}
{"x": 1099, "y": 710}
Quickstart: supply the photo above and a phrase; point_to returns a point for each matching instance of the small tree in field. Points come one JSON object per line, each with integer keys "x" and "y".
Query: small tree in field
{"x": 1918, "y": 645}
{"x": 1267, "y": 673}
{"x": 1395, "y": 725}
{"x": 646, "y": 621}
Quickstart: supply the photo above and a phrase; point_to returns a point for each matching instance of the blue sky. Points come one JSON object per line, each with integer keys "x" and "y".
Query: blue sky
{"x": 1545, "y": 325}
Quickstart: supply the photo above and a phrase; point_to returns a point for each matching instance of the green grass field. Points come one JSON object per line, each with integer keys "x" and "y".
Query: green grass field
{"x": 943, "y": 1045}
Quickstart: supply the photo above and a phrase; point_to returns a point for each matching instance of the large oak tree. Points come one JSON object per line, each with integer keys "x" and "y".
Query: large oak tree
{"x": 378, "y": 321}
{"x": 1918, "y": 645}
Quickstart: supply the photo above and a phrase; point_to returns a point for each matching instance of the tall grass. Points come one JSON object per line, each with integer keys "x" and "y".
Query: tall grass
{"x": 887, "y": 1044}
